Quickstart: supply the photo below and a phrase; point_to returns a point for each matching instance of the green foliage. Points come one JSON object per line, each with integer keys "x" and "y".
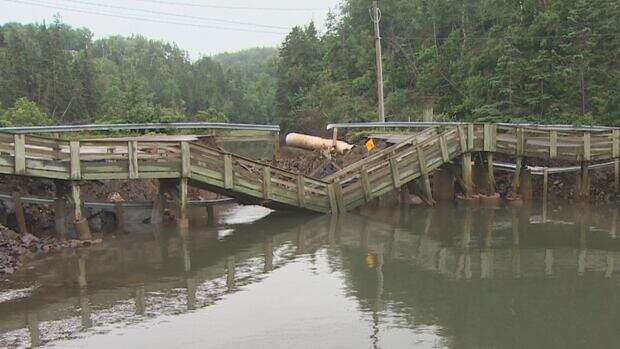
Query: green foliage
{"x": 210, "y": 115}
{"x": 24, "y": 113}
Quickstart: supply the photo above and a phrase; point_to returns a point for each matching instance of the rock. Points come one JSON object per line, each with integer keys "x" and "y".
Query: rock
{"x": 28, "y": 239}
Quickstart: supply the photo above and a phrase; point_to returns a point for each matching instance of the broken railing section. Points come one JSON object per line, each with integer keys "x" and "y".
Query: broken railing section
{"x": 584, "y": 145}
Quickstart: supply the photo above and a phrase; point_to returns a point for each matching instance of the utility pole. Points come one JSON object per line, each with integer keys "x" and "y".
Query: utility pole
{"x": 375, "y": 16}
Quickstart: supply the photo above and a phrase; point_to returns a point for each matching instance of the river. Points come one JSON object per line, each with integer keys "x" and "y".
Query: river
{"x": 445, "y": 277}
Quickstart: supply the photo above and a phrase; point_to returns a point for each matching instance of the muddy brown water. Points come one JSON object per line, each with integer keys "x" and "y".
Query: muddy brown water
{"x": 447, "y": 277}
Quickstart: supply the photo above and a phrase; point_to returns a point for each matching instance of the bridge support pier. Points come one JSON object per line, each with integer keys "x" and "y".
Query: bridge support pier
{"x": 516, "y": 179}
{"x": 159, "y": 205}
{"x": 81, "y": 223}
{"x": 525, "y": 188}
{"x": 60, "y": 209}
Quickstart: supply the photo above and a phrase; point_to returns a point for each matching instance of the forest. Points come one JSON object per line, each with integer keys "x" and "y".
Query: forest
{"x": 542, "y": 61}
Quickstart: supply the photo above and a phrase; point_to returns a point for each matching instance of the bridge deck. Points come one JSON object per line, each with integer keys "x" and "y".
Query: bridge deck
{"x": 256, "y": 182}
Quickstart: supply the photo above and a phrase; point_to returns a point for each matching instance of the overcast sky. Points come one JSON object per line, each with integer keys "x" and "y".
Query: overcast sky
{"x": 189, "y": 23}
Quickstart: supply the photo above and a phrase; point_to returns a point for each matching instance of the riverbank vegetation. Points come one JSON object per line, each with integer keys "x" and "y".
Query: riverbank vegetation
{"x": 539, "y": 61}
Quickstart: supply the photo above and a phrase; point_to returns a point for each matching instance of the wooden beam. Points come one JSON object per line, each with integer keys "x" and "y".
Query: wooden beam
{"x": 74, "y": 151}
{"x": 339, "y": 197}
{"x": 488, "y": 137}
{"x": 422, "y": 160}
{"x": 19, "y": 143}
{"x": 183, "y": 219}
{"x": 426, "y": 189}
{"x": 470, "y": 136}
{"x": 132, "y": 154}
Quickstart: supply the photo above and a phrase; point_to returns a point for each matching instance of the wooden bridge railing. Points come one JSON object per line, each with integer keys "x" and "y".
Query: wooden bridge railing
{"x": 117, "y": 160}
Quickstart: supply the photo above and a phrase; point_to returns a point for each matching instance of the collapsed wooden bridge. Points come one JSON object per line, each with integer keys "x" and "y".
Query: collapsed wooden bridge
{"x": 181, "y": 163}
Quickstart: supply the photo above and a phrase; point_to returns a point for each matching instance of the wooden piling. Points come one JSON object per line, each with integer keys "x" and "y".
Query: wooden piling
{"x": 617, "y": 175}
{"x": 60, "y": 209}
{"x": 525, "y": 188}
{"x": 183, "y": 218}
{"x": 443, "y": 184}
{"x": 584, "y": 187}
{"x": 466, "y": 174}
{"x": 20, "y": 216}
{"x": 230, "y": 273}
{"x": 516, "y": 179}
{"x": 120, "y": 216}
{"x": 140, "y": 301}
{"x": 490, "y": 172}
{"x": 81, "y": 224}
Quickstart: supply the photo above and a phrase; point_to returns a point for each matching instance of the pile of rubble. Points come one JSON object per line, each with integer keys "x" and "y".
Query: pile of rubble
{"x": 14, "y": 247}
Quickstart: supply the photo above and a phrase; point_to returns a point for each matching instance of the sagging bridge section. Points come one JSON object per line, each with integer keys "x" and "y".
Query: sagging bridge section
{"x": 180, "y": 162}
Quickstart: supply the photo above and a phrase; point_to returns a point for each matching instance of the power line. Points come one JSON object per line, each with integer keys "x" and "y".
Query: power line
{"x": 144, "y": 19}
{"x": 175, "y": 15}
{"x": 249, "y": 8}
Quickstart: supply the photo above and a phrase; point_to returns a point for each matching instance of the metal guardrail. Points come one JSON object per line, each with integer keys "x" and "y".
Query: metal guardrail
{"x": 538, "y": 170}
{"x": 145, "y": 126}
{"x": 415, "y": 124}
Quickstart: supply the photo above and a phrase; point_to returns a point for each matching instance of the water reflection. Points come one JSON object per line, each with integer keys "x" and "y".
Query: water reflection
{"x": 461, "y": 277}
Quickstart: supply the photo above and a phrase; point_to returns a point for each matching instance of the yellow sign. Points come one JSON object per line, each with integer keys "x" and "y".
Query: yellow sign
{"x": 370, "y": 145}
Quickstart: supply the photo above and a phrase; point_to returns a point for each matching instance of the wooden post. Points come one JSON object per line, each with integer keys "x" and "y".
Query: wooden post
{"x": 266, "y": 182}
{"x": 584, "y": 191}
{"x": 20, "y": 216}
{"x": 301, "y": 191}
{"x": 140, "y": 301}
{"x": 76, "y": 171}
{"x": 132, "y": 157}
{"x": 19, "y": 151}
{"x": 81, "y": 224}
{"x": 516, "y": 180}
{"x": 211, "y": 215}
{"x": 467, "y": 174}
{"x": 230, "y": 273}
{"x": 60, "y": 210}
{"x": 120, "y": 216}
{"x": 276, "y": 146}
{"x": 268, "y": 249}
{"x": 157, "y": 214}
{"x": 33, "y": 328}
{"x": 183, "y": 219}
{"x": 617, "y": 175}
{"x": 228, "y": 172}
{"x": 525, "y": 188}
{"x": 334, "y": 137}
{"x": 186, "y": 162}
{"x": 490, "y": 173}
{"x": 544, "y": 194}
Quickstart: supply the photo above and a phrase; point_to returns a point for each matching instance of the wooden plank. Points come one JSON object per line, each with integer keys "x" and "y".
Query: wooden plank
{"x": 301, "y": 191}
{"x": 186, "y": 163}
{"x": 445, "y": 156}
{"x": 553, "y": 144}
{"x": 394, "y": 171}
{"x": 587, "y": 153}
{"x": 19, "y": 142}
{"x": 266, "y": 182}
{"x": 365, "y": 184}
{"x": 132, "y": 154}
{"x": 74, "y": 150}
{"x": 228, "y": 172}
